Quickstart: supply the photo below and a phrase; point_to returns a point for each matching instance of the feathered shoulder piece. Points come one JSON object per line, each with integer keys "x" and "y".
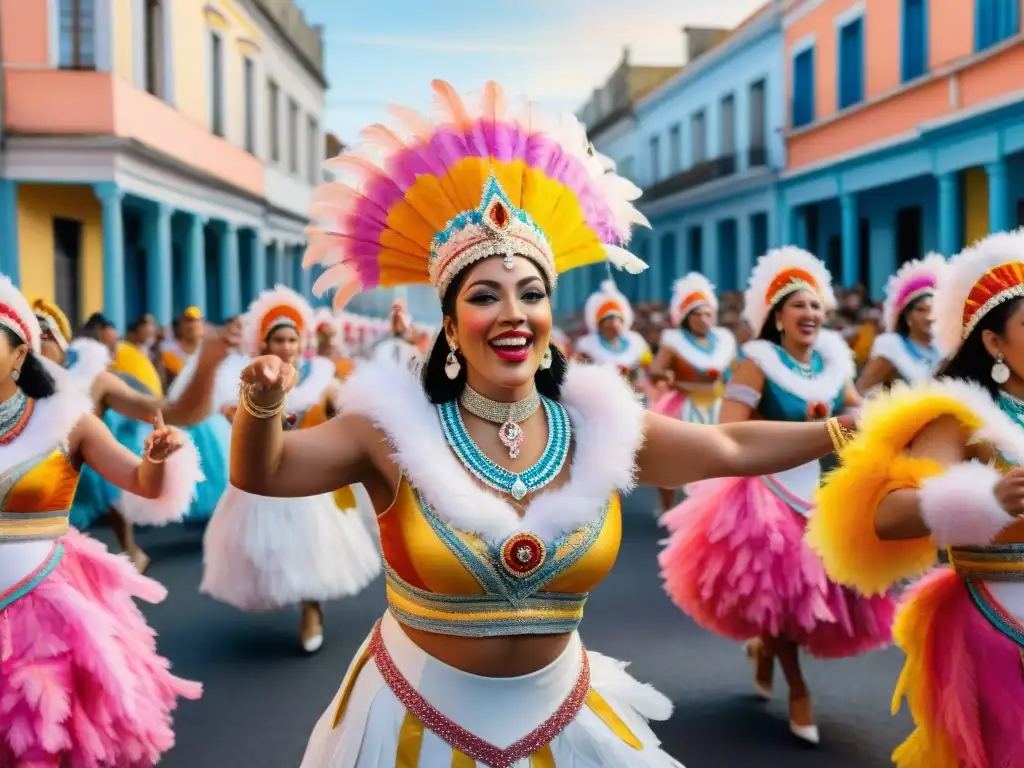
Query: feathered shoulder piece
{"x": 779, "y": 273}
{"x": 271, "y": 310}
{"x": 913, "y": 280}
{"x": 420, "y": 202}
{"x": 974, "y": 282}
{"x": 689, "y": 292}
{"x": 606, "y": 302}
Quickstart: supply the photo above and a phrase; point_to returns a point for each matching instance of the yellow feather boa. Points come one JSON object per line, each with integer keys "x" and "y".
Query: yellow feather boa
{"x": 842, "y": 529}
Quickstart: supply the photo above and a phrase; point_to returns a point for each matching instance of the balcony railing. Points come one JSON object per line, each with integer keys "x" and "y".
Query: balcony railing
{"x": 692, "y": 177}
{"x": 757, "y": 156}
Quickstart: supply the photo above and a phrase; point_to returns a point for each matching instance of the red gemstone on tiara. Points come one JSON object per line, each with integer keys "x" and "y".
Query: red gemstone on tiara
{"x": 522, "y": 554}
{"x": 499, "y": 215}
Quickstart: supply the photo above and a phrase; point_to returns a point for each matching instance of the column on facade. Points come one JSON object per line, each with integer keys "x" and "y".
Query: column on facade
{"x": 800, "y": 235}
{"x": 305, "y": 277}
{"x": 230, "y": 281}
{"x": 744, "y": 249}
{"x": 195, "y": 263}
{"x": 998, "y": 196}
{"x": 780, "y": 232}
{"x": 10, "y": 263}
{"x": 110, "y": 197}
{"x": 160, "y": 282}
{"x": 850, "y": 227}
{"x": 949, "y": 214}
{"x": 709, "y": 255}
{"x": 257, "y": 264}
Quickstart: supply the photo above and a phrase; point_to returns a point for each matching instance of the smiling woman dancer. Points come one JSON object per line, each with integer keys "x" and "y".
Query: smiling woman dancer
{"x": 610, "y": 338}
{"x": 496, "y": 475}
{"x": 906, "y": 351}
{"x": 939, "y": 466}
{"x": 735, "y": 560}
{"x": 81, "y": 683}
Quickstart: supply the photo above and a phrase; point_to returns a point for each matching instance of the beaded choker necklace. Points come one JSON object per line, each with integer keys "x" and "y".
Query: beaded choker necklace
{"x": 516, "y": 485}
{"x": 508, "y": 415}
{"x": 14, "y": 416}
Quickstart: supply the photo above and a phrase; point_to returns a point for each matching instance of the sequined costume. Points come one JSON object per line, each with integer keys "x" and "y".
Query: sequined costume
{"x": 699, "y": 366}
{"x": 482, "y": 181}
{"x": 962, "y": 626}
{"x": 735, "y": 560}
{"x": 915, "y": 279}
{"x": 263, "y": 553}
{"x": 81, "y": 682}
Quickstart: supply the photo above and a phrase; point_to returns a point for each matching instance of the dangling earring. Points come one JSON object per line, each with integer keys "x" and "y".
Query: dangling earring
{"x": 452, "y": 366}
{"x": 15, "y": 374}
{"x": 1000, "y": 371}
{"x": 545, "y": 359}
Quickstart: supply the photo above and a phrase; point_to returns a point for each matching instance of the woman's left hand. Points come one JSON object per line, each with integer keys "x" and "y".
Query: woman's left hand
{"x": 162, "y": 441}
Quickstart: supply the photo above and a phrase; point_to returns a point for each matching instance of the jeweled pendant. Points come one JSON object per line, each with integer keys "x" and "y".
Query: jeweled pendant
{"x": 511, "y": 436}
{"x": 519, "y": 489}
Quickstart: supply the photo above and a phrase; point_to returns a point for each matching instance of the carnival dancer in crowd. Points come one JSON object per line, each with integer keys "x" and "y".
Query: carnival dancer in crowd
{"x": 939, "y": 466}
{"x": 81, "y": 682}
{"x": 399, "y": 345}
{"x": 561, "y": 340}
{"x": 88, "y": 360}
{"x": 610, "y": 337}
{"x": 693, "y": 357}
{"x": 188, "y": 332}
{"x": 263, "y": 553}
{"x": 329, "y": 344}
{"x": 906, "y": 350}
{"x": 735, "y": 560}
{"x": 496, "y": 473}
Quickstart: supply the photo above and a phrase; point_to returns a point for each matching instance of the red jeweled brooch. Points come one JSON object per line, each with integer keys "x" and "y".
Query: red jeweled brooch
{"x": 522, "y": 554}
{"x": 817, "y": 410}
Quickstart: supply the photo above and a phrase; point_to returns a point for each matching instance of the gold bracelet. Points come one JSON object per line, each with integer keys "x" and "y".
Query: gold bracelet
{"x": 151, "y": 460}
{"x": 254, "y": 410}
{"x": 839, "y": 435}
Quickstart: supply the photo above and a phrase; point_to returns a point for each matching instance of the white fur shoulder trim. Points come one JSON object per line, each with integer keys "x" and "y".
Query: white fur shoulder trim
{"x": 892, "y": 348}
{"x": 630, "y": 356}
{"x": 91, "y": 359}
{"x": 702, "y": 360}
{"x": 835, "y": 353}
{"x": 960, "y": 508}
{"x": 607, "y": 425}
{"x": 52, "y": 420}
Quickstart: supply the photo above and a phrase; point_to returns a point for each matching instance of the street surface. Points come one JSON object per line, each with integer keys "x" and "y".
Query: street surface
{"x": 262, "y": 695}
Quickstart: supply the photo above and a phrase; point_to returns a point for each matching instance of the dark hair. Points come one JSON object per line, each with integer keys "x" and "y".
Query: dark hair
{"x": 902, "y": 325}
{"x": 33, "y": 379}
{"x": 135, "y": 325}
{"x": 95, "y": 325}
{"x": 972, "y": 362}
{"x": 441, "y": 389}
{"x": 770, "y": 330}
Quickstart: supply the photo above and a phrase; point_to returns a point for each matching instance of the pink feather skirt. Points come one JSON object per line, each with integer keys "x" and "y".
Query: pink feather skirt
{"x": 669, "y": 403}
{"x": 736, "y": 563}
{"x": 81, "y": 682}
{"x": 964, "y": 680}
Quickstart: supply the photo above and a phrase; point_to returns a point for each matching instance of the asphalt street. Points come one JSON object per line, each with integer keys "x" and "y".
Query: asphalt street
{"x": 262, "y": 695}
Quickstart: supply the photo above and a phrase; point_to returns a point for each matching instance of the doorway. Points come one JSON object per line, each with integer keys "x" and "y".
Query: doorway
{"x": 909, "y": 226}
{"x": 67, "y": 251}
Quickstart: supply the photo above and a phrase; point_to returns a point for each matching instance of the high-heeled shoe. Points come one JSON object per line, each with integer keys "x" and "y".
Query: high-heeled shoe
{"x": 764, "y": 668}
{"x": 312, "y": 632}
{"x": 801, "y": 720}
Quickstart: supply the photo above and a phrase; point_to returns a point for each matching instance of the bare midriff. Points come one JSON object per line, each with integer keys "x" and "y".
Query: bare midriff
{"x": 512, "y": 656}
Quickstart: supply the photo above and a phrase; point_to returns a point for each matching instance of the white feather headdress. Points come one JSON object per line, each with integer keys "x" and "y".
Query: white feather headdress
{"x": 607, "y": 300}
{"x": 689, "y": 292}
{"x": 914, "y": 279}
{"x": 17, "y": 315}
{"x": 779, "y": 273}
{"x": 279, "y": 306}
{"x": 973, "y": 283}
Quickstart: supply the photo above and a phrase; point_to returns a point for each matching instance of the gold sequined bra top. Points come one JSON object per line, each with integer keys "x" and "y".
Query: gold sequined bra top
{"x": 451, "y": 582}
{"x": 36, "y": 496}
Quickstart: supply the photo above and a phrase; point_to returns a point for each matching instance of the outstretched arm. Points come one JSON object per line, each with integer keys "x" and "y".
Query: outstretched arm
{"x": 97, "y": 447}
{"x": 877, "y": 371}
{"x": 676, "y": 453}
{"x": 268, "y": 462}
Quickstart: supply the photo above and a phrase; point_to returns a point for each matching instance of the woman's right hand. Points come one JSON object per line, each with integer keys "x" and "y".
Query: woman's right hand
{"x": 269, "y": 379}
{"x": 1009, "y": 492}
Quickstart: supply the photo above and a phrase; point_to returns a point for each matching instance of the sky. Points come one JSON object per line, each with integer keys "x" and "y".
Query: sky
{"x": 554, "y": 52}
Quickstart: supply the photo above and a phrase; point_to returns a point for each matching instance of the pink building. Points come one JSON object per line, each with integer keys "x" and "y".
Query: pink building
{"x": 906, "y": 129}
{"x": 131, "y": 179}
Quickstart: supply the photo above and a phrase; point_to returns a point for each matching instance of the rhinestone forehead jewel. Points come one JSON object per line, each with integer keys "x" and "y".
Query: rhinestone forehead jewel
{"x": 495, "y": 227}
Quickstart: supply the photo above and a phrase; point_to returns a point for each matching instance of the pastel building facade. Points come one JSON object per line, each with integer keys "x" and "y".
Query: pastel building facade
{"x": 905, "y": 129}
{"x": 139, "y": 171}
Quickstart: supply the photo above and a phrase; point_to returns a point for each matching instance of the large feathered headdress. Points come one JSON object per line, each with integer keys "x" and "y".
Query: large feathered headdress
{"x": 607, "y": 302}
{"x": 53, "y": 321}
{"x": 688, "y": 293}
{"x": 422, "y": 205}
{"x": 779, "y": 273}
{"x": 912, "y": 281}
{"x": 272, "y": 310}
{"x": 973, "y": 283}
{"x": 17, "y": 316}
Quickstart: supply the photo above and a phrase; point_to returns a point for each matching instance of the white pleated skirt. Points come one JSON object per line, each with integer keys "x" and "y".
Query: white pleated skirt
{"x": 263, "y": 553}
{"x": 501, "y": 711}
